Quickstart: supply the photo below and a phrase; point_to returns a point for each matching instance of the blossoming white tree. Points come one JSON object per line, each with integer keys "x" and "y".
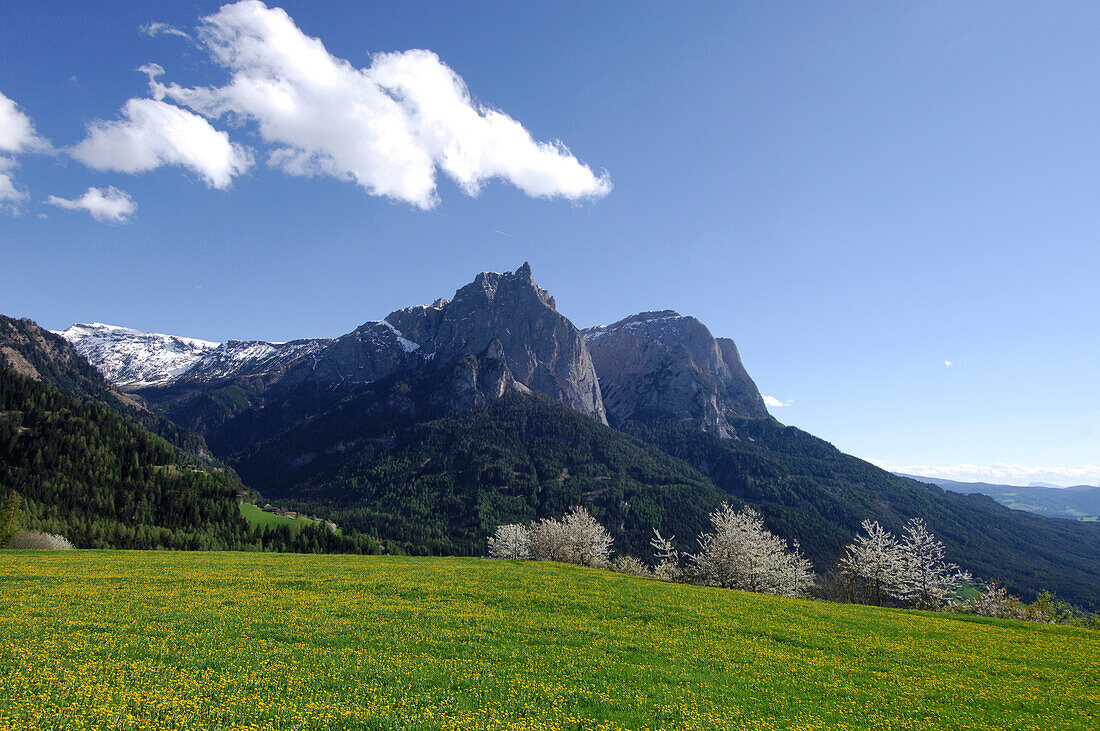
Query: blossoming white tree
{"x": 511, "y": 541}
{"x": 667, "y": 567}
{"x": 630, "y": 565}
{"x": 742, "y": 554}
{"x": 913, "y": 569}
{"x": 928, "y": 580}
{"x": 876, "y": 560}
{"x": 576, "y": 538}
{"x": 548, "y": 540}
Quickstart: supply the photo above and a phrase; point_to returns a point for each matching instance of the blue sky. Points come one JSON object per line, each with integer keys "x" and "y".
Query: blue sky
{"x": 858, "y": 193}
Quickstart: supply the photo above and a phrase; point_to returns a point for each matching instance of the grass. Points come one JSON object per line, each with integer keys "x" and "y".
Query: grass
{"x": 259, "y": 517}
{"x": 154, "y": 640}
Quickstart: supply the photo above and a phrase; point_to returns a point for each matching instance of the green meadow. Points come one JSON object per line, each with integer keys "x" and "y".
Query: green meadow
{"x": 158, "y": 640}
{"x": 258, "y": 517}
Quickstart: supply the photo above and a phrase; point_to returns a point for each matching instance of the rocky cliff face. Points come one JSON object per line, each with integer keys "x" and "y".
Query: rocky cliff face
{"x": 511, "y": 320}
{"x": 506, "y": 323}
{"x": 664, "y": 363}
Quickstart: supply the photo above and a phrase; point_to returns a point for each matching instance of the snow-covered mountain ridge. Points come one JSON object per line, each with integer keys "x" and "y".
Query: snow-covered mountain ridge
{"x": 133, "y": 358}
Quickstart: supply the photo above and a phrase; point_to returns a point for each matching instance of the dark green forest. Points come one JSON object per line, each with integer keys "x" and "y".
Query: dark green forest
{"x": 83, "y": 472}
{"x": 442, "y": 485}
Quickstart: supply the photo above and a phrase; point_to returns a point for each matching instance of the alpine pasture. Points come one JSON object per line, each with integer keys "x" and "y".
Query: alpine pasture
{"x": 159, "y": 640}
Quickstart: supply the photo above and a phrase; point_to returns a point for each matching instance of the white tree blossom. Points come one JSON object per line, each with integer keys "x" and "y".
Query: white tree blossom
{"x": 995, "y": 601}
{"x": 40, "y": 540}
{"x": 928, "y": 579}
{"x": 548, "y": 540}
{"x": 576, "y": 538}
{"x": 742, "y": 554}
{"x": 668, "y": 558}
{"x": 630, "y": 565}
{"x": 511, "y": 541}
{"x": 878, "y": 561}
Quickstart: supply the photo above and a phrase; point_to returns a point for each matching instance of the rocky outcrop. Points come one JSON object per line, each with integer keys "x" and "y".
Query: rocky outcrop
{"x": 475, "y": 381}
{"x": 518, "y": 321}
{"x": 508, "y": 325}
{"x": 34, "y": 352}
{"x": 664, "y": 363}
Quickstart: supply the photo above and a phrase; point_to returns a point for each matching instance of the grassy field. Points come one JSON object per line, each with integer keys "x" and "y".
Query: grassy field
{"x": 154, "y": 640}
{"x": 257, "y": 516}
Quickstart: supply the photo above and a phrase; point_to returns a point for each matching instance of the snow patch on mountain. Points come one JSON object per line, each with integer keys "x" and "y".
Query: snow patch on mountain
{"x": 407, "y": 345}
{"x": 133, "y": 358}
{"x": 247, "y": 357}
{"x": 644, "y": 320}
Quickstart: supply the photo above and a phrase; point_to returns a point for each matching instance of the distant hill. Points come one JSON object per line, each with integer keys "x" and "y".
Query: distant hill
{"x": 1080, "y": 502}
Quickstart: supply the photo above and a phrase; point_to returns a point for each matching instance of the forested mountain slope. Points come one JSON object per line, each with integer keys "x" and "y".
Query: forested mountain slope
{"x": 40, "y": 354}
{"x": 86, "y": 465}
{"x": 809, "y": 490}
{"x": 392, "y": 461}
{"x": 86, "y": 473}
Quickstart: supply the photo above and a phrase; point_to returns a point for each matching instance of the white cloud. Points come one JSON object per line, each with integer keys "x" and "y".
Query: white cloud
{"x": 153, "y": 133}
{"x": 1004, "y": 473}
{"x": 162, "y": 29}
{"x": 17, "y": 136}
{"x": 387, "y": 127}
{"x": 948, "y": 363}
{"x": 772, "y": 401}
{"x": 110, "y": 205}
{"x": 9, "y": 194}
{"x": 16, "y": 130}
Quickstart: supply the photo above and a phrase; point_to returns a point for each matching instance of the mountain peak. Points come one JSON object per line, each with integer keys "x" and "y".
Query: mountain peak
{"x": 662, "y": 362}
{"x": 542, "y": 349}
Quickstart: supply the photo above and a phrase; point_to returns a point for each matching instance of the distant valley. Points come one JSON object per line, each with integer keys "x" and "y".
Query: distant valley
{"x": 1079, "y": 502}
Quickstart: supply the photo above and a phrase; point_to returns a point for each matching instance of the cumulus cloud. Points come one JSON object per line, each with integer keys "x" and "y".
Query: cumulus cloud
{"x": 111, "y": 205}
{"x": 17, "y": 136}
{"x": 772, "y": 401}
{"x": 388, "y": 127}
{"x": 16, "y": 129}
{"x": 153, "y": 133}
{"x": 1004, "y": 473}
